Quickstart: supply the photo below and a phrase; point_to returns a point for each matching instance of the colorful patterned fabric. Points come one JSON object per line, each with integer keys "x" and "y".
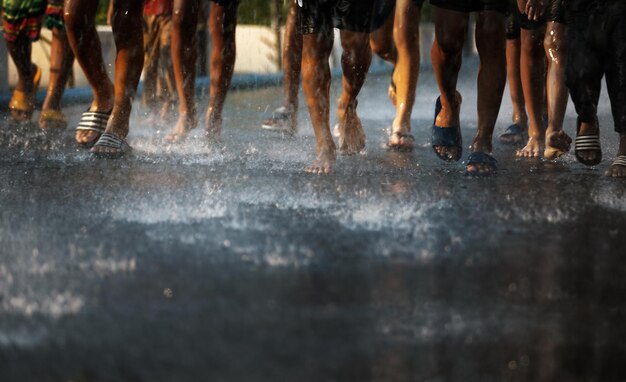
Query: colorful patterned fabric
{"x": 23, "y": 16}
{"x": 54, "y": 15}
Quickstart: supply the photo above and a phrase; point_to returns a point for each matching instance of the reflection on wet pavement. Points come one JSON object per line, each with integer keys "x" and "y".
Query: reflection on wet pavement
{"x": 227, "y": 262}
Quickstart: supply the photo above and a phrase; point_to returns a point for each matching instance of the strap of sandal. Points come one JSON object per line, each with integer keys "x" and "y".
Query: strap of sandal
{"x": 588, "y": 143}
{"x": 112, "y": 141}
{"x": 93, "y": 121}
{"x": 620, "y": 161}
{"x": 478, "y": 157}
{"x": 447, "y": 137}
{"x": 514, "y": 129}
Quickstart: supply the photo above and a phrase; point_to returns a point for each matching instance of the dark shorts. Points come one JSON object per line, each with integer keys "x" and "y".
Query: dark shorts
{"x": 472, "y": 5}
{"x": 225, "y": 2}
{"x": 513, "y": 31}
{"x": 555, "y": 11}
{"x": 321, "y": 16}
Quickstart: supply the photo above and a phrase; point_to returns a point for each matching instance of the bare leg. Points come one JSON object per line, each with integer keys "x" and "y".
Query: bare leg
{"x": 184, "y": 22}
{"x": 406, "y": 73}
{"x": 61, "y": 61}
{"x": 355, "y": 63}
{"x": 450, "y": 31}
{"x": 490, "y": 42}
{"x": 533, "y": 82}
{"x": 292, "y": 64}
{"x": 151, "y": 42}
{"x": 555, "y": 45}
{"x": 382, "y": 44}
{"x": 20, "y": 52}
{"x": 81, "y": 33}
{"x": 222, "y": 25}
{"x": 286, "y": 118}
{"x": 316, "y": 83}
{"x": 513, "y": 56}
{"x": 127, "y": 32}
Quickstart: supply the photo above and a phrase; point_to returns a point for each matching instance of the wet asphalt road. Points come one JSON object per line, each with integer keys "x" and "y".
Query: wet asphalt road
{"x": 228, "y": 263}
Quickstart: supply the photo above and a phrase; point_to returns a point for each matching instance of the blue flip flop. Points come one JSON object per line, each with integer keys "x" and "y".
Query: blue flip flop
{"x": 446, "y": 136}
{"x": 515, "y": 132}
{"x": 482, "y": 158}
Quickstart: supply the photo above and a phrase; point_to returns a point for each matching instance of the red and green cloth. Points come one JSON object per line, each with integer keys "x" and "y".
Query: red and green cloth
{"x": 26, "y": 17}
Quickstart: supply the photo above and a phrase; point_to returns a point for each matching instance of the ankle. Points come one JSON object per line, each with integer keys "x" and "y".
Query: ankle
{"x": 622, "y": 144}
{"x": 587, "y": 128}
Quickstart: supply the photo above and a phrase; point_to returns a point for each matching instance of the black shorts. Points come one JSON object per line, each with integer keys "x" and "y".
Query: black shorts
{"x": 383, "y": 9}
{"x": 555, "y": 11}
{"x": 513, "y": 31}
{"x": 473, "y": 5}
{"x": 226, "y": 2}
{"x": 321, "y": 16}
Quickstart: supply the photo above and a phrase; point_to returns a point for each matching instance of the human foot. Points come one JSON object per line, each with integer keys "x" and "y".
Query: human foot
{"x": 110, "y": 146}
{"x": 515, "y": 133}
{"x": 401, "y": 141}
{"x": 283, "y": 119}
{"x": 91, "y": 126}
{"x": 557, "y": 144}
{"x": 533, "y": 148}
{"x": 94, "y": 121}
{"x": 446, "y": 137}
{"x": 480, "y": 163}
{"x": 325, "y": 159}
{"x": 52, "y": 120}
{"x": 587, "y": 148}
{"x": 22, "y": 103}
{"x": 351, "y": 135}
{"x": 182, "y": 128}
{"x": 112, "y": 142}
{"x": 213, "y": 125}
{"x": 617, "y": 168}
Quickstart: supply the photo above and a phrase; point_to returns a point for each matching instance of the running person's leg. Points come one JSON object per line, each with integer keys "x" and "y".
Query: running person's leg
{"x": 22, "y": 25}
{"x": 184, "y": 24}
{"x": 61, "y": 61}
{"x": 616, "y": 82}
{"x": 222, "y": 25}
{"x": 286, "y": 117}
{"x": 80, "y": 26}
{"x": 555, "y": 44}
{"x": 382, "y": 45}
{"x": 406, "y": 71}
{"x": 515, "y": 133}
{"x": 584, "y": 72}
{"x": 128, "y": 36}
{"x": 149, "y": 95}
{"x": 491, "y": 45}
{"x": 355, "y": 62}
{"x": 316, "y": 49}
{"x": 20, "y": 51}
{"x": 533, "y": 70}
{"x": 450, "y": 33}
{"x": 166, "y": 79}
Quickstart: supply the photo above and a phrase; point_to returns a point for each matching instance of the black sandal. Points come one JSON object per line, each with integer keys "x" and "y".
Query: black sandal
{"x": 587, "y": 143}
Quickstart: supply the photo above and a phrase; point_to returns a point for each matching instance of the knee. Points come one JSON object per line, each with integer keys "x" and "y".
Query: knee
{"x": 490, "y": 33}
{"x": 556, "y": 45}
{"x": 406, "y": 43}
{"x": 450, "y": 42}
{"x": 383, "y": 49}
